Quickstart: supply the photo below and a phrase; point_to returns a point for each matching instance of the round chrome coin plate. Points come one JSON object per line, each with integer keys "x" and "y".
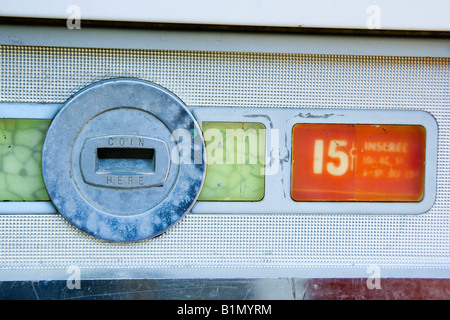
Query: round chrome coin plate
{"x": 123, "y": 160}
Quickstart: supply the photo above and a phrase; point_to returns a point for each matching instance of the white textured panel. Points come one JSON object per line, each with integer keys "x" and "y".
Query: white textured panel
{"x": 51, "y": 75}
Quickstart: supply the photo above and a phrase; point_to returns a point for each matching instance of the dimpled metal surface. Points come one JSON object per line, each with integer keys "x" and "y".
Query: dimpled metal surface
{"x": 238, "y": 245}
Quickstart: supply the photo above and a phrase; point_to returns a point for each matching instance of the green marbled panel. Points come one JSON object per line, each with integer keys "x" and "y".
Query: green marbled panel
{"x": 21, "y": 144}
{"x": 227, "y": 178}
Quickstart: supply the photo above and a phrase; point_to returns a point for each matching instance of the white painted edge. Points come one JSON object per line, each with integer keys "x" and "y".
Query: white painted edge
{"x": 431, "y": 15}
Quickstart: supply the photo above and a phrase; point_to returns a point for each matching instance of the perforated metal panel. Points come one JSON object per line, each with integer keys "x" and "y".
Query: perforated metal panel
{"x": 228, "y": 244}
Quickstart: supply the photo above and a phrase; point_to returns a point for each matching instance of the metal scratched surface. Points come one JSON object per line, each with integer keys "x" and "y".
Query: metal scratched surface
{"x": 106, "y": 110}
{"x": 185, "y": 290}
{"x": 200, "y": 289}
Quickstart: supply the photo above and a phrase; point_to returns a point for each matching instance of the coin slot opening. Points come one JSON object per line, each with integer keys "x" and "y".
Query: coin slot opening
{"x": 125, "y": 161}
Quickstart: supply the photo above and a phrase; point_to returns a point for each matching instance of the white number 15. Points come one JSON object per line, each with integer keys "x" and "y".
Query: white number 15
{"x": 335, "y": 170}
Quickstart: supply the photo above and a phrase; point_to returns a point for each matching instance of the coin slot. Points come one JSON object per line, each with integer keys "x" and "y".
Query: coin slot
{"x": 125, "y": 160}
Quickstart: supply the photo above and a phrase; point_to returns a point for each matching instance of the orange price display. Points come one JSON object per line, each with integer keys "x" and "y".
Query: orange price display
{"x": 358, "y": 162}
